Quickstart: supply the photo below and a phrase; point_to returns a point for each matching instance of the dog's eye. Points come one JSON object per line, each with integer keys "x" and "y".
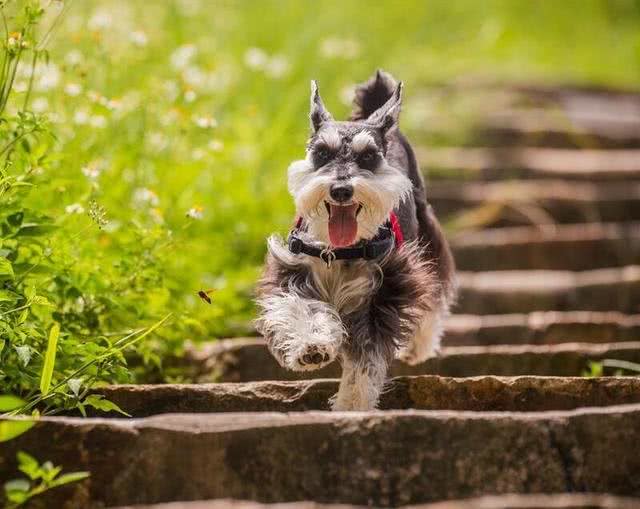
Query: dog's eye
{"x": 321, "y": 156}
{"x": 368, "y": 160}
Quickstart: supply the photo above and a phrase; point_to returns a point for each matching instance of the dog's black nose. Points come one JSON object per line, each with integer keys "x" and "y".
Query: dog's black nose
{"x": 341, "y": 192}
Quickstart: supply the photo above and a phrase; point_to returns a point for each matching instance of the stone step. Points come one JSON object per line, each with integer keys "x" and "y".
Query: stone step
{"x": 490, "y": 393}
{"x": 247, "y": 360}
{"x": 568, "y": 129}
{"x": 540, "y": 328}
{"x": 552, "y": 247}
{"x": 505, "y": 292}
{"x": 536, "y": 501}
{"x": 486, "y": 163}
{"x": 386, "y": 459}
{"x": 537, "y": 201}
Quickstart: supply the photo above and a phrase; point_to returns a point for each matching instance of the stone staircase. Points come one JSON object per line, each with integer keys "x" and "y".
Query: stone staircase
{"x": 549, "y": 256}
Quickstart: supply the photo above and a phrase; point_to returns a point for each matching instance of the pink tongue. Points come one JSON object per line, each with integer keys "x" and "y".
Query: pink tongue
{"x": 343, "y": 226}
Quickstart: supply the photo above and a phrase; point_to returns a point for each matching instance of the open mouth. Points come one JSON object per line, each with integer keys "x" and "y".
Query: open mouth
{"x": 343, "y": 223}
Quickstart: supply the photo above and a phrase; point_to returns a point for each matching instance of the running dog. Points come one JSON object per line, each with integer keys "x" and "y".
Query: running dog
{"x": 366, "y": 274}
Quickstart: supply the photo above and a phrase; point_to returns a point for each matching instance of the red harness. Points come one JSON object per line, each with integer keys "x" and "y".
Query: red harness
{"x": 397, "y": 229}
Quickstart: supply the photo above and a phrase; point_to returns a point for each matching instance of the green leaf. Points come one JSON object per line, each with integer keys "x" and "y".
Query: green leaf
{"x": 9, "y": 402}
{"x": 17, "y": 490}
{"x": 23, "y": 316}
{"x": 42, "y": 301}
{"x": 6, "y": 270}
{"x": 17, "y": 485}
{"x": 98, "y": 402}
{"x": 27, "y": 464}
{"x": 69, "y": 478}
{"x": 14, "y": 428}
{"x": 49, "y": 359}
{"x": 7, "y": 296}
{"x": 30, "y": 292}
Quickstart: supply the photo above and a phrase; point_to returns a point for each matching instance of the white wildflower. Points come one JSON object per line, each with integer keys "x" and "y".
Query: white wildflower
{"x": 74, "y": 208}
{"x": 144, "y": 196}
{"x": 190, "y": 96}
{"x": 81, "y": 117}
{"x": 40, "y": 104}
{"x": 73, "y": 89}
{"x": 182, "y": 56}
{"x": 215, "y": 145}
{"x": 277, "y": 66}
{"x": 74, "y": 57}
{"x": 47, "y": 77}
{"x": 195, "y": 212}
{"x": 100, "y": 20}
{"x": 98, "y": 121}
{"x": 194, "y": 76}
{"x": 256, "y": 58}
{"x": 139, "y": 38}
{"x": 93, "y": 170}
{"x": 171, "y": 90}
{"x": 157, "y": 141}
{"x": 205, "y": 122}
{"x": 336, "y": 47}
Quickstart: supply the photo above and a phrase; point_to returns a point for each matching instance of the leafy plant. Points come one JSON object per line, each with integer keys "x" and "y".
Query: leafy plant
{"x": 66, "y": 302}
{"x": 40, "y": 478}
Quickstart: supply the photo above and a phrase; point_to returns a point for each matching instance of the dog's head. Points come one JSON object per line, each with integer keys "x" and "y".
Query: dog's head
{"x": 345, "y": 188}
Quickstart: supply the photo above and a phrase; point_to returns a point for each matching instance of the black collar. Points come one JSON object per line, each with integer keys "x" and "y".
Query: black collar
{"x": 372, "y": 249}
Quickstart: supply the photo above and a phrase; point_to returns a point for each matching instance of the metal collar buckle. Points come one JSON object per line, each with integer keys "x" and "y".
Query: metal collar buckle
{"x": 327, "y": 256}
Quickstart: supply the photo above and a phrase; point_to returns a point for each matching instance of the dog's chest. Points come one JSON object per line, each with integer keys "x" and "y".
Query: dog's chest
{"x": 346, "y": 285}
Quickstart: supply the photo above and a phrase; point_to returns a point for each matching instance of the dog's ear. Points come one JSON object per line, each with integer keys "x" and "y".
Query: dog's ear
{"x": 387, "y": 116}
{"x": 319, "y": 113}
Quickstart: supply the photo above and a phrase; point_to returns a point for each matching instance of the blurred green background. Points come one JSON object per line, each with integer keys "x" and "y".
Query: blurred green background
{"x": 180, "y": 117}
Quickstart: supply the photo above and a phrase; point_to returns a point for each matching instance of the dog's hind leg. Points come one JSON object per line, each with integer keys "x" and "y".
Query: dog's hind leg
{"x": 302, "y": 334}
{"x": 426, "y": 341}
{"x": 361, "y": 384}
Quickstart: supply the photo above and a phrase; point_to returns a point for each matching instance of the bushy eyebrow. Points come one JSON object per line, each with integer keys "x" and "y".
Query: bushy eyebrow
{"x": 331, "y": 138}
{"x": 362, "y": 141}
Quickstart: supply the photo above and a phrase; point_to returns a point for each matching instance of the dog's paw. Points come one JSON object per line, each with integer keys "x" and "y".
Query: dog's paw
{"x": 312, "y": 357}
{"x": 413, "y": 357}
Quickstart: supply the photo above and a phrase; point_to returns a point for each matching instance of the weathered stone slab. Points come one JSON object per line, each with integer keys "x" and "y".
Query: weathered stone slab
{"x": 241, "y": 504}
{"x": 489, "y": 163}
{"x": 551, "y": 247}
{"x": 575, "y": 129}
{"x": 540, "y": 328}
{"x": 517, "y": 394}
{"x": 522, "y": 200}
{"x": 246, "y": 360}
{"x": 380, "y": 458}
{"x": 537, "y": 501}
{"x": 504, "y": 292}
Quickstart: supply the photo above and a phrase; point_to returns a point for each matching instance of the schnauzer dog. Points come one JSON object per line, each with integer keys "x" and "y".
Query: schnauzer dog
{"x": 366, "y": 274}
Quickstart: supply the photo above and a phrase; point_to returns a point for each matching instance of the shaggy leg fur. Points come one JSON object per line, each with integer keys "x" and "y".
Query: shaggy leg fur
{"x": 360, "y": 385}
{"x": 426, "y": 341}
{"x": 302, "y": 334}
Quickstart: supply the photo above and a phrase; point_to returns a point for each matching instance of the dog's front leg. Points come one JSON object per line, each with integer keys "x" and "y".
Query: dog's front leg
{"x": 303, "y": 334}
{"x": 361, "y": 383}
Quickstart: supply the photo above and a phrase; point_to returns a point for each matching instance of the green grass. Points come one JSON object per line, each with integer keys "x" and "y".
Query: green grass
{"x": 131, "y": 80}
